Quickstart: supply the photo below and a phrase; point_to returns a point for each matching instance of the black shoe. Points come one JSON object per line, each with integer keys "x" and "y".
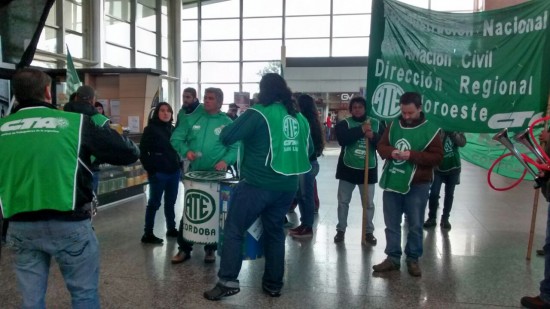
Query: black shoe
{"x": 430, "y": 223}
{"x": 209, "y": 256}
{"x": 340, "y": 236}
{"x": 445, "y": 225}
{"x": 220, "y": 291}
{"x": 172, "y": 233}
{"x": 151, "y": 239}
{"x": 271, "y": 292}
{"x": 534, "y": 302}
{"x": 371, "y": 239}
{"x": 181, "y": 257}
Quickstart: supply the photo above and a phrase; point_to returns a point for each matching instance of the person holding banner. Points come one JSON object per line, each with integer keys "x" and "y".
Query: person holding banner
{"x": 83, "y": 103}
{"x": 543, "y": 299}
{"x": 412, "y": 148}
{"x": 277, "y": 145}
{"x": 196, "y": 138}
{"x": 448, "y": 172}
{"x": 352, "y": 133}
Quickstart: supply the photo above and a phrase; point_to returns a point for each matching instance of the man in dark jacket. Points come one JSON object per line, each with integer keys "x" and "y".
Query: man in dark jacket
{"x": 46, "y": 190}
{"x": 83, "y": 103}
{"x": 351, "y": 134}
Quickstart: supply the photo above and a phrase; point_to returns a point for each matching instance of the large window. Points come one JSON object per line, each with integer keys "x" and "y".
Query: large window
{"x": 235, "y": 43}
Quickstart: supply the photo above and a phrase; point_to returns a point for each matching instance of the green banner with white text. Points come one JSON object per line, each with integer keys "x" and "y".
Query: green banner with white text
{"x": 477, "y": 72}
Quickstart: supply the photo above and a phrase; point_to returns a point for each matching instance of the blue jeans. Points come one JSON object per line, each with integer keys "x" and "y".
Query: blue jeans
{"x": 305, "y": 196}
{"x": 345, "y": 190}
{"x": 450, "y": 180}
{"x": 545, "y": 283}
{"x": 160, "y": 183}
{"x": 247, "y": 204}
{"x": 74, "y": 246}
{"x": 412, "y": 205}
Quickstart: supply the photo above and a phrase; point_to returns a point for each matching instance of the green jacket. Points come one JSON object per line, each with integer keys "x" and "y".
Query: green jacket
{"x": 199, "y": 132}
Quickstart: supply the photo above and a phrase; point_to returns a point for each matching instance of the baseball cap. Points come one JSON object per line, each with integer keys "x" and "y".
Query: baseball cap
{"x": 85, "y": 92}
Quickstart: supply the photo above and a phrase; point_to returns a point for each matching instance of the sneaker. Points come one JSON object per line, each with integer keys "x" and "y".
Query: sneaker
{"x": 172, "y": 233}
{"x": 414, "y": 269}
{"x": 445, "y": 225}
{"x": 181, "y": 257}
{"x": 386, "y": 265}
{"x": 295, "y": 230}
{"x": 271, "y": 292}
{"x": 371, "y": 239}
{"x": 340, "y": 235}
{"x": 220, "y": 291}
{"x": 534, "y": 302}
{"x": 305, "y": 232}
{"x": 209, "y": 256}
{"x": 151, "y": 239}
{"x": 430, "y": 223}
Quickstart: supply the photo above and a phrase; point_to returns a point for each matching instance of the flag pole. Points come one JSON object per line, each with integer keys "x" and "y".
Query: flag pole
{"x": 365, "y": 196}
{"x": 535, "y": 202}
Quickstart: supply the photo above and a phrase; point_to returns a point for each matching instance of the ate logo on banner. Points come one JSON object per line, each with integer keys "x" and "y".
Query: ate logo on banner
{"x": 199, "y": 206}
{"x": 385, "y": 100}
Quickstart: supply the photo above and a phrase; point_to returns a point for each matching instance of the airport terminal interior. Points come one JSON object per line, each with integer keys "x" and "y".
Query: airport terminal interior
{"x": 479, "y": 263}
{"x": 135, "y": 52}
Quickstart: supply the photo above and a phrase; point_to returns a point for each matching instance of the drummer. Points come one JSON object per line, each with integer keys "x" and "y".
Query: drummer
{"x": 197, "y": 139}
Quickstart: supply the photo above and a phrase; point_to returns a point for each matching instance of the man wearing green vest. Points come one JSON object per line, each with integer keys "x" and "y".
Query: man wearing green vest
{"x": 83, "y": 103}
{"x": 276, "y": 141}
{"x": 352, "y": 133}
{"x": 197, "y": 138}
{"x": 447, "y": 172}
{"x": 412, "y": 147}
{"x": 46, "y": 190}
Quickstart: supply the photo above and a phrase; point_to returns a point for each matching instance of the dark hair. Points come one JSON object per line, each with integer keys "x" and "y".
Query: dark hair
{"x": 357, "y": 100}
{"x": 85, "y": 93}
{"x": 98, "y": 104}
{"x": 309, "y": 110}
{"x": 218, "y": 93}
{"x": 191, "y": 90}
{"x": 273, "y": 88}
{"x": 155, "y": 116}
{"x": 29, "y": 84}
{"x": 72, "y": 97}
{"x": 411, "y": 97}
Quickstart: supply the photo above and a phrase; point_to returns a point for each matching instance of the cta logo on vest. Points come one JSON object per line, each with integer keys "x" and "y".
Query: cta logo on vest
{"x": 34, "y": 123}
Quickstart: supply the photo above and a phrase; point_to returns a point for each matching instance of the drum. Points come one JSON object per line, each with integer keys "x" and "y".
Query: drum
{"x": 253, "y": 247}
{"x": 201, "y": 206}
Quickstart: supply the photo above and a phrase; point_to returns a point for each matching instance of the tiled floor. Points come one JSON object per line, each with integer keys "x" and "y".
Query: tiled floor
{"x": 479, "y": 263}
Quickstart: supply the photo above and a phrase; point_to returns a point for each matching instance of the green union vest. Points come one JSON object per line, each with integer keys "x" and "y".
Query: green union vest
{"x": 24, "y": 136}
{"x": 397, "y": 175}
{"x": 354, "y": 155}
{"x": 99, "y": 119}
{"x": 451, "y": 156}
{"x": 289, "y": 138}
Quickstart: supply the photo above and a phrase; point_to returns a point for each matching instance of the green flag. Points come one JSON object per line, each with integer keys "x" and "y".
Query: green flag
{"x": 477, "y": 72}
{"x": 73, "y": 82}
